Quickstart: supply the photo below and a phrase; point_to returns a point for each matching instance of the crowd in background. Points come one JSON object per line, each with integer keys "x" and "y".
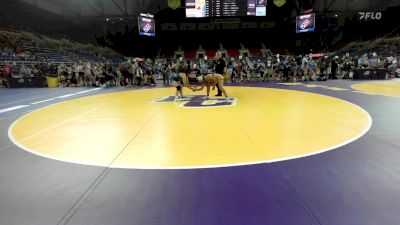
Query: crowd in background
{"x": 274, "y": 68}
{"x": 24, "y": 54}
{"x": 309, "y": 68}
{"x": 74, "y": 64}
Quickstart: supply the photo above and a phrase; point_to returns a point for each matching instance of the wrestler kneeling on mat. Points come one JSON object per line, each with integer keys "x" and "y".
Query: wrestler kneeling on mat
{"x": 212, "y": 80}
{"x": 179, "y": 81}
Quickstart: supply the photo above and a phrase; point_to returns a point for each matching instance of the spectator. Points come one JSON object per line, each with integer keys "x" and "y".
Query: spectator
{"x": 34, "y": 70}
{"x": 203, "y": 67}
{"x": 14, "y": 69}
{"x": 323, "y": 68}
{"x": 165, "y": 74}
{"x": 109, "y": 74}
{"x": 374, "y": 62}
{"x": 6, "y": 70}
{"x": 150, "y": 78}
{"x": 45, "y": 69}
{"x": 293, "y": 68}
{"x": 393, "y": 67}
{"x": 334, "y": 68}
{"x": 268, "y": 71}
{"x": 347, "y": 65}
{"x": 87, "y": 74}
{"x": 139, "y": 75}
{"x": 24, "y": 71}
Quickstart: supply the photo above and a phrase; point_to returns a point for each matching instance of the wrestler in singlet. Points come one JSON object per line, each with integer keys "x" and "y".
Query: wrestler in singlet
{"x": 212, "y": 80}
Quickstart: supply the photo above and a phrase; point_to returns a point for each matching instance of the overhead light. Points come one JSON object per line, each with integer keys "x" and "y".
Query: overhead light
{"x": 107, "y": 19}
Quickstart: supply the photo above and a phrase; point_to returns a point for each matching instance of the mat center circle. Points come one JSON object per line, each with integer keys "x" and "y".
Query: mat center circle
{"x": 129, "y": 130}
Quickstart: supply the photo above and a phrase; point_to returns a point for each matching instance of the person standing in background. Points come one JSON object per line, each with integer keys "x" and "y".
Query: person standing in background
{"x": 334, "y": 68}
{"x": 6, "y": 73}
{"x": 219, "y": 68}
{"x": 165, "y": 74}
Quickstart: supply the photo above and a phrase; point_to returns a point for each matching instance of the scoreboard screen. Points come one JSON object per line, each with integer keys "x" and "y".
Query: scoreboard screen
{"x": 146, "y": 25}
{"x": 305, "y": 23}
{"x": 225, "y": 8}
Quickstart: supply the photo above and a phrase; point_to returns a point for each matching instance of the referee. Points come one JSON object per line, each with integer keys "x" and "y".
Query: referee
{"x": 219, "y": 68}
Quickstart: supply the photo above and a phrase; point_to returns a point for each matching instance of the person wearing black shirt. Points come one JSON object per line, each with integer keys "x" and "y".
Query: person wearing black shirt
{"x": 334, "y": 68}
{"x": 165, "y": 74}
{"x": 220, "y": 66}
{"x": 149, "y": 78}
{"x": 323, "y": 68}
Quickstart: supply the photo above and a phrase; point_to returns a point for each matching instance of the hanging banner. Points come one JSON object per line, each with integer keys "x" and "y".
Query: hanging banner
{"x": 279, "y": 3}
{"x": 174, "y": 4}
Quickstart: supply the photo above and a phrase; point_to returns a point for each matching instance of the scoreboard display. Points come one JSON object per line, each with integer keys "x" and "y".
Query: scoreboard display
{"x": 305, "y": 23}
{"x": 225, "y": 8}
{"x": 146, "y": 25}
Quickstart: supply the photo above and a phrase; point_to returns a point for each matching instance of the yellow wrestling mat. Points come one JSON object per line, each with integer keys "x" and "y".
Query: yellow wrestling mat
{"x": 387, "y": 88}
{"x": 129, "y": 130}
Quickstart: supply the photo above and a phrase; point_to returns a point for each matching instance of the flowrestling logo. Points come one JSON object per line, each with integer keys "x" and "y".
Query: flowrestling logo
{"x": 199, "y": 101}
{"x": 370, "y": 15}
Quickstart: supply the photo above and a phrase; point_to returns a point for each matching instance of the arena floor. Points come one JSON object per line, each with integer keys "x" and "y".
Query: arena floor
{"x": 291, "y": 153}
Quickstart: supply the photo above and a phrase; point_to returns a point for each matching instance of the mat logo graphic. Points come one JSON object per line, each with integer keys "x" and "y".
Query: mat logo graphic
{"x": 147, "y": 27}
{"x": 199, "y": 101}
{"x": 370, "y": 15}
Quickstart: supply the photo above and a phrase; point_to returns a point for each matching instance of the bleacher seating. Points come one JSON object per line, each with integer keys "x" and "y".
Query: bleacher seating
{"x": 233, "y": 52}
{"x": 210, "y": 53}
{"x": 382, "y": 46}
{"x": 25, "y": 47}
{"x": 255, "y": 52}
{"x": 190, "y": 54}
